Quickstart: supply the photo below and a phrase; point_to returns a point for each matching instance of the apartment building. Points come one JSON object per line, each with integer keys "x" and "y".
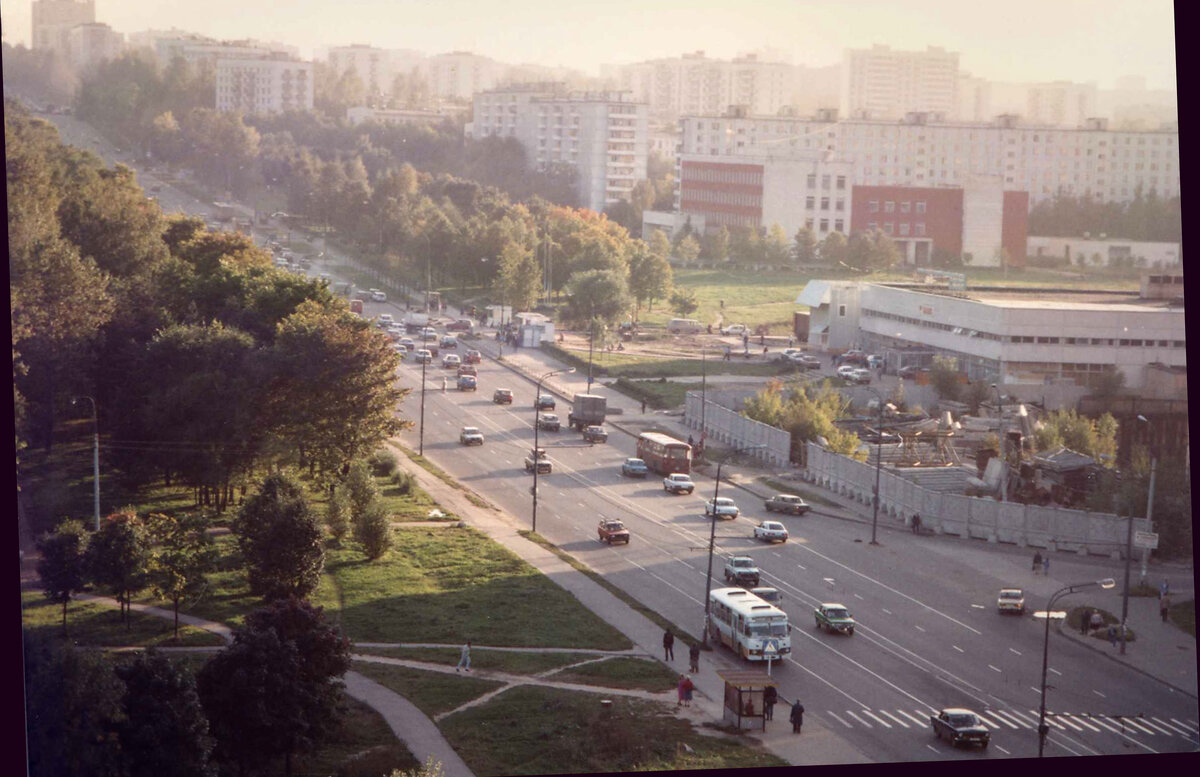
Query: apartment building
{"x": 1060, "y": 103}
{"x": 264, "y": 85}
{"x": 460, "y": 75}
{"x": 53, "y": 20}
{"x": 880, "y": 83}
{"x": 204, "y": 53}
{"x": 926, "y": 150}
{"x": 393, "y": 116}
{"x": 693, "y": 83}
{"x": 602, "y": 135}
{"x": 372, "y": 65}
{"x": 90, "y": 44}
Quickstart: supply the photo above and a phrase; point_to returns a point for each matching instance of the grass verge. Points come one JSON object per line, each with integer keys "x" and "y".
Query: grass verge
{"x": 428, "y": 466}
{"x": 432, "y": 692}
{"x": 364, "y": 745}
{"x": 96, "y": 624}
{"x": 662, "y": 622}
{"x": 498, "y": 660}
{"x": 658, "y": 394}
{"x": 539, "y": 730}
{"x": 622, "y": 672}
{"x": 1183, "y": 615}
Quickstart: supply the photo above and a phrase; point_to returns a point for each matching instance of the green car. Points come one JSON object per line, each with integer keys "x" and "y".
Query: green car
{"x": 834, "y": 618}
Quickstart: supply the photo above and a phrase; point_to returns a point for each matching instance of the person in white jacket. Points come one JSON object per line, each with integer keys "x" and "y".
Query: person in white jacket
{"x": 465, "y": 661}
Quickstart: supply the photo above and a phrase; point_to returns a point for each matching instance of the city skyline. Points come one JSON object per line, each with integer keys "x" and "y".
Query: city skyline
{"x": 1075, "y": 40}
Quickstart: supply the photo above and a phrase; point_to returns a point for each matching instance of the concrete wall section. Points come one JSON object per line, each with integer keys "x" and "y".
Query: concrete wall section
{"x": 729, "y": 427}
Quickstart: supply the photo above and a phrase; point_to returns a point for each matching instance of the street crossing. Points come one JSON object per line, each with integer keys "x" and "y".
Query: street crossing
{"x": 1014, "y": 720}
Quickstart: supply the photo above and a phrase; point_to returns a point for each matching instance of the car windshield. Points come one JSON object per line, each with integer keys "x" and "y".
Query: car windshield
{"x": 762, "y": 627}
{"x": 837, "y": 612}
{"x": 963, "y": 721}
{"x": 470, "y": 430}
{"x": 1010, "y": 594}
{"x": 742, "y": 562}
{"x": 768, "y": 596}
{"x": 723, "y": 501}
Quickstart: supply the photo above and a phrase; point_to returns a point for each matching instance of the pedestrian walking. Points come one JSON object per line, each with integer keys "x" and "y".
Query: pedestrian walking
{"x": 668, "y": 646}
{"x": 464, "y": 661}
{"x": 797, "y": 716}
{"x": 679, "y": 690}
{"x": 1085, "y": 621}
{"x": 791, "y": 342}
{"x": 916, "y": 523}
{"x": 1046, "y": 565}
{"x": 688, "y": 687}
{"x": 770, "y": 696}
{"x": 1037, "y": 560}
{"x": 1164, "y": 607}
{"x": 643, "y": 407}
{"x": 1112, "y": 634}
{"x": 694, "y": 657}
{"x": 1164, "y": 588}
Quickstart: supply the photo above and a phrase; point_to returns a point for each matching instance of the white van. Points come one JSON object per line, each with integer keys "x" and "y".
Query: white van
{"x": 689, "y": 326}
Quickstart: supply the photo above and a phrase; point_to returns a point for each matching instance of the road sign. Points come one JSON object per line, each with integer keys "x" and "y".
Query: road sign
{"x": 771, "y": 648}
{"x": 1145, "y": 539}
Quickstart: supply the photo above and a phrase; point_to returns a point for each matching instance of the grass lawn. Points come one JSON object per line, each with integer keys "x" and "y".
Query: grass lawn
{"x": 432, "y": 692}
{"x": 449, "y": 584}
{"x": 616, "y": 365}
{"x": 657, "y": 394}
{"x": 498, "y": 660}
{"x": 622, "y": 672}
{"x": 538, "y": 730}
{"x": 98, "y": 625}
{"x": 365, "y": 739}
{"x": 228, "y": 598}
{"x": 1183, "y": 615}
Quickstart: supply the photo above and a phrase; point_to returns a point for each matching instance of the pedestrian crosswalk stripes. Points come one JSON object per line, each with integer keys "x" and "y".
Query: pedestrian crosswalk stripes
{"x": 1027, "y": 720}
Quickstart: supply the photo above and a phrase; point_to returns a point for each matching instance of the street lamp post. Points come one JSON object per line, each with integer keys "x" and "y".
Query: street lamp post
{"x": 1003, "y": 447}
{"x": 878, "y": 464}
{"x": 421, "y": 444}
{"x": 95, "y": 459}
{"x": 1106, "y": 584}
{"x": 1149, "y": 499}
{"x": 712, "y": 537}
{"x": 591, "y": 340}
{"x": 537, "y": 414}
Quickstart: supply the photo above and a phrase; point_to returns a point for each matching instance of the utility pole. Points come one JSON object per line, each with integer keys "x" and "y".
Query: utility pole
{"x": 1128, "y": 561}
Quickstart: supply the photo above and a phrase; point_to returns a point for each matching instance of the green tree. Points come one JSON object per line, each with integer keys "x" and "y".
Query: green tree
{"x": 183, "y": 554}
{"x": 975, "y": 395}
{"x": 833, "y": 248}
{"x": 360, "y": 488}
{"x": 1091, "y": 437}
{"x": 684, "y": 302}
{"x": 118, "y": 557}
{"x": 519, "y": 280}
{"x": 373, "y": 530}
{"x": 884, "y": 253}
{"x": 776, "y": 246}
{"x": 946, "y": 378}
{"x": 688, "y": 249}
{"x": 62, "y": 564}
{"x": 650, "y": 273}
{"x": 163, "y": 729}
{"x": 860, "y": 251}
{"x": 337, "y": 516}
{"x": 280, "y": 540}
{"x": 714, "y": 246}
{"x": 599, "y": 294}
{"x": 804, "y": 249}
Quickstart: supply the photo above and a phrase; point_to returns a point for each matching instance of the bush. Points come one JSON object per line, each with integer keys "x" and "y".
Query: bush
{"x": 404, "y": 482}
{"x": 383, "y": 463}
{"x": 360, "y": 487}
{"x": 373, "y": 530}
{"x": 337, "y": 516}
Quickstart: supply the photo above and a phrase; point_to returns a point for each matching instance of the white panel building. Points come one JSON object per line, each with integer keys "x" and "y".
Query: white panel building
{"x": 90, "y": 44}
{"x": 693, "y": 83}
{"x": 264, "y": 85}
{"x": 372, "y": 65}
{"x": 460, "y": 75}
{"x": 53, "y": 19}
{"x": 880, "y": 83}
{"x": 1061, "y": 103}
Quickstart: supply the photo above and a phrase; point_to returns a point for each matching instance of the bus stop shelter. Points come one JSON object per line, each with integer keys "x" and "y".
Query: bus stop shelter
{"x": 744, "y": 697}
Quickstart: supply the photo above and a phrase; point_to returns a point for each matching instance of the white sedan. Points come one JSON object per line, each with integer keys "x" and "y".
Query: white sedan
{"x": 721, "y": 507}
{"x": 451, "y": 360}
{"x": 377, "y": 295}
{"x": 771, "y": 531}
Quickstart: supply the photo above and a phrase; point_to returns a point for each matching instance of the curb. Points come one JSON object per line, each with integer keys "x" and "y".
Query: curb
{"x": 1101, "y": 651}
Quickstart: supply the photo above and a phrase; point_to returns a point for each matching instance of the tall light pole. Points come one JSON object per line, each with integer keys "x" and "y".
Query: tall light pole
{"x": 703, "y": 390}
{"x": 1149, "y": 498}
{"x": 591, "y": 340}
{"x": 1106, "y": 584}
{"x": 878, "y": 463}
{"x": 95, "y": 459}
{"x": 1003, "y": 447}
{"x": 537, "y": 414}
{"x": 712, "y": 538}
{"x": 421, "y": 445}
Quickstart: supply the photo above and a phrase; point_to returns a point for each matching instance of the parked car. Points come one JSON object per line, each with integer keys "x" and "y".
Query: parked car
{"x": 1011, "y": 600}
{"x": 741, "y": 570}
{"x": 770, "y": 595}
{"x": 771, "y": 531}
{"x": 806, "y": 360}
{"x": 377, "y": 295}
{"x": 470, "y": 435}
{"x": 634, "y": 468}
{"x": 544, "y": 402}
{"x": 678, "y": 483}
{"x": 734, "y": 329}
{"x": 548, "y": 422}
{"x": 960, "y": 726}
{"x": 595, "y": 434}
{"x": 721, "y": 507}
{"x": 853, "y": 356}
{"x": 544, "y": 467}
{"x": 846, "y": 371}
{"x": 612, "y": 531}
{"x": 860, "y": 375}
{"x": 908, "y": 371}
{"x": 472, "y": 357}
{"x": 451, "y": 361}
{"x": 424, "y": 356}
{"x": 834, "y": 618}
{"x": 786, "y": 503}
{"x": 467, "y": 383}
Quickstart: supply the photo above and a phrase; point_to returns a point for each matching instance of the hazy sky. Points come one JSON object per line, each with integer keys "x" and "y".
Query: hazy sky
{"x": 1011, "y": 40}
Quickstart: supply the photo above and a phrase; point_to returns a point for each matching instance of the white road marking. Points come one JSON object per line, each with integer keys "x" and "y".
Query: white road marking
{"x": 860, "y": 720}
{"x": 1052, "y": 669}
{"x": 1069, "y": 722}
{"x": 1038, "y": 691}
{"x": 995, "y": 714}
{"x": 822, "y": 679}
{"x": 882, "y": 722}
{"x": 978, "y": 606}
{"x": 1049, "y": 720}
{"x": 931, "y": 747}
{"x": 893, "y": 717}
{"x": 1001, "y": 749}
{"x": 956, "y": 647}
{"x": 1149, "y": 722}
{"x": 839, "y": 720}
{"x": 1191, "y": 723}
{"x": 918, "y": 628}
{"x": 802, "y": 567}
{"x": 1014, "y": 650}
{"x": 1102, "y": 696}
{"x": 856, "y": 596}
{"x": 828, "y": 580}
{"x": 886, "y": 610}
{"x": 994, "y": 668}
{"x": 1179, "y": 728}
{"x": 1020, "y": 718}
{"x": 918, "y": 721}
{"x": 1133, "y": 722}
{"x": 1102, "y": 722}
{"x": 1083, "y": 722}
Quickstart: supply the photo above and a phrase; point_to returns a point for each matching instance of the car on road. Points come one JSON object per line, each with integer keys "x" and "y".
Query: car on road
{"x": 612, "y": 531}
{"x": 544, "y": 467}
{"x": 860, "y": 375}
{"x": 834, "y": 618}
{"x": 460, "y": 325}
{"x": 786, "y": 503}
{"x": 424, "y": 356}
{"x": 735, "y": 329}
{"x": 678, "y": 483}
{"x": 771, "y": 531}
{"x": 544, "y": 402}
{"x": 960, "y": 726}
{"x": 1011, "y": 600}
{"x": 595, "y": 434}
{"x": 846, "y": 371}
{"x": 470, "y": 435}
{"x": 502, "y": 396}
{"x": 472, "y": 357}
{"x": 408, "y": 343}
{"x": 549, "y": 422}
{"x": 634, "y": 468}
{"x": 377, "y": 295}
{"x": 467, "y": 369}
{"x": 467, "y": 383}
{"x": 853, "y": 356}
{"x": 451, "y": 361}
{"x": 908, "y": 371}
{"x": 449, "y": 342}
{"x": 384, "y": 320}
{"x": 741, "y": 570}
{"x": 769, "y": 595}
{"x": 721, "y": 507}
{"x": 806, "y": 360}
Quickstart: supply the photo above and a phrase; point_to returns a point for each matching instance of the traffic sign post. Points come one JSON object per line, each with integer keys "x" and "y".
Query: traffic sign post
{"x": 1147, "y": 540}
{"x": 770, "y": 650}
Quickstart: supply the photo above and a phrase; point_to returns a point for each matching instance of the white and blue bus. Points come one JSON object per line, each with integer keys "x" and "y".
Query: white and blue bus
{"x": 745, "y": 623}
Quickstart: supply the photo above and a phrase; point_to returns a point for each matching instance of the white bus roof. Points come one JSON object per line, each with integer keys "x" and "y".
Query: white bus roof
{"x": 745, "y": 603}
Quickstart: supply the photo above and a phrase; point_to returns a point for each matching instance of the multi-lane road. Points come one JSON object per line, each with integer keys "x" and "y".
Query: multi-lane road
{"x": 928, "y": 633}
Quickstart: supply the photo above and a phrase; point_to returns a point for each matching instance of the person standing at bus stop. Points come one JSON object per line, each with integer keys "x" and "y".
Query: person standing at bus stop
{"x": 668, "y": 646}
{"x": 770, "y": 696}
{"x": 797, "y": 716}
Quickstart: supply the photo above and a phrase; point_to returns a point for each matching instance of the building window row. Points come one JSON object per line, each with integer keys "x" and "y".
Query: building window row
{"x": 723, "y": 198}
{"x": 711, "y": 175}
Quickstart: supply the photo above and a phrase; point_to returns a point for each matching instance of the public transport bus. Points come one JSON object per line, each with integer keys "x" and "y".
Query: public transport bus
{"x": 744, "y": 622}
{"x": 664, "y": 454}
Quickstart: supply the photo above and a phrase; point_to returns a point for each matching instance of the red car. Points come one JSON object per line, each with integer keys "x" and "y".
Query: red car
{"x": 473, "y": 357}
{"x": 612, "y": 531}
{"x": 461, "y": 325}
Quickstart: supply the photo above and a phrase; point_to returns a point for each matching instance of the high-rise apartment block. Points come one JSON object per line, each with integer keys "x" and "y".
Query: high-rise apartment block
{"x": 373, "y": 66}
{"x": 879, "y": 83}
{"x": 1061, "y": 103}
{"x": 90, "y": 44}
{"x": 264, "y": 85}
{"x": 53, "y": 20}
{"x": 693, "y": 84}
{"x": 603, "y": 136}
{"x": 460, "y": 75}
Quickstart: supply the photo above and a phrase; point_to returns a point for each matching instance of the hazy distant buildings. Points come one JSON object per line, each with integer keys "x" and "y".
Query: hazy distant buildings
{"x": 1061, "y": 103}
{"x": 90, "y": 44}
{"x": 360, "y": 114}
{"x": 53, "y": 20}
{"x": 263, "y": 85}
{"x": 692, "y": 83}
{"x": 880, "y": 83}
{"x": 603, "y": 136}
{"x": 460, "y": 75}
{"x": 372, "y": 65}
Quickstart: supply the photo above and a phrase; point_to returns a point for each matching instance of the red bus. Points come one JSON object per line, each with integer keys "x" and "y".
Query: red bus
{"x": 664, "y": 454}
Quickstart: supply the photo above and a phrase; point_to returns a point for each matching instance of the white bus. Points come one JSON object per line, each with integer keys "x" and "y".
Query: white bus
{"x": 745, "y": 622}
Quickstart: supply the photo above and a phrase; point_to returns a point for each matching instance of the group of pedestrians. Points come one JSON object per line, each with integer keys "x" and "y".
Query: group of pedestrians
{"x": 1041, "y": 562}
